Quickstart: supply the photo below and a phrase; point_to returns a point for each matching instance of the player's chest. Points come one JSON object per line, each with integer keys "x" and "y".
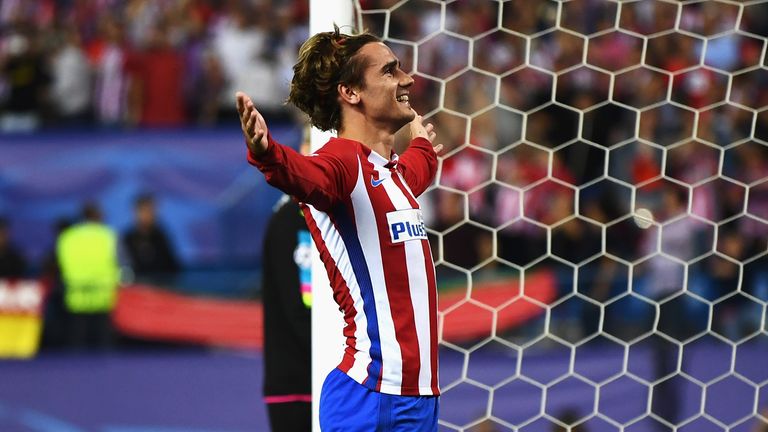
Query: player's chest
{"x": 390, "y": 201}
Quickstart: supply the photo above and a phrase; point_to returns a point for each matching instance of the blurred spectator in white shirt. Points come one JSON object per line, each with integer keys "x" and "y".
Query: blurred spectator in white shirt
{"x": 71, "y": 79}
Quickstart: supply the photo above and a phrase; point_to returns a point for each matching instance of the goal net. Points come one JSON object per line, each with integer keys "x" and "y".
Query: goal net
{"x": 599, "y": 221}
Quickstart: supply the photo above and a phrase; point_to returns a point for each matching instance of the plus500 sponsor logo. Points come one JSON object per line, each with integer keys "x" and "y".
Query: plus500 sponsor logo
{"x": 405, "y": 225}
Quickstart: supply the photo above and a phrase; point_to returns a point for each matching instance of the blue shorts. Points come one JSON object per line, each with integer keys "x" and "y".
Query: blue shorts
{"x": 348, "y": 406}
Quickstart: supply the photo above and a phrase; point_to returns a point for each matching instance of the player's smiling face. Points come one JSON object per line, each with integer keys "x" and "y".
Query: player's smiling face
{"x": 385, "y": 94}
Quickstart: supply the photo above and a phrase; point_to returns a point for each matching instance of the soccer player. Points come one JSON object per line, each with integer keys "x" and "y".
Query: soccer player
{"x": 360, "y": 205}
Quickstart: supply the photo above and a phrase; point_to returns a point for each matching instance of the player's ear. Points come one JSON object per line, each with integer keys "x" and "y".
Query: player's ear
{"x": 348, "y": 94}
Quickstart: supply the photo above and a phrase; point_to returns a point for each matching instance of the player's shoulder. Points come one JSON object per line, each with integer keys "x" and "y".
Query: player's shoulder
{"x": 347, "y": 152}
{"x": 341, "y": 147}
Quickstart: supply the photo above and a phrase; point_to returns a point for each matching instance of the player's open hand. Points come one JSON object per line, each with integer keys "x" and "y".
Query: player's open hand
{"x": 253, "y": 124}
{"x": 418, "y": 129}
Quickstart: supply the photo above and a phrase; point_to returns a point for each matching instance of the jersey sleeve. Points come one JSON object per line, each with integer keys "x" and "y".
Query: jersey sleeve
{"x": 419, "y": 165}
{"x": 320, "y": 179}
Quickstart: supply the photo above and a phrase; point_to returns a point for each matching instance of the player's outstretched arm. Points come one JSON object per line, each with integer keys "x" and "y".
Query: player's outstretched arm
{"x": 252, "y": 123}
{"x": 319, "y": 181}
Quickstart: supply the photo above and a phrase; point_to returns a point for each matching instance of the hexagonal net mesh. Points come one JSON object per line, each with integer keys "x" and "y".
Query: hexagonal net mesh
{"x": 600, "y": 215}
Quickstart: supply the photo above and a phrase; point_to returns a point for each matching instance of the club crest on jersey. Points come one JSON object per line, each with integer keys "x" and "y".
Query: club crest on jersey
{"x": 405, "y": 225}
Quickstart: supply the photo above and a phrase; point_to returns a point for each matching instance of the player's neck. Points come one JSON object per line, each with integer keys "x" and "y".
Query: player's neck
{"x": 379, "y": 140}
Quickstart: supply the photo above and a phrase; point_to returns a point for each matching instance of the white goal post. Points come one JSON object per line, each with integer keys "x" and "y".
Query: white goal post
{"x": 327, "y": 322}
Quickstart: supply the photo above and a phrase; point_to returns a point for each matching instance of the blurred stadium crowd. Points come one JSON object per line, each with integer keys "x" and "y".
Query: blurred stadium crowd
{"x": 143, "y": 63}
{"x": 552, "y": 121}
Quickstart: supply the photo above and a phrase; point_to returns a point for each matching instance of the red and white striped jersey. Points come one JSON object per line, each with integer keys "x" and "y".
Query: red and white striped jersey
{"x": 362, "y": 212}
